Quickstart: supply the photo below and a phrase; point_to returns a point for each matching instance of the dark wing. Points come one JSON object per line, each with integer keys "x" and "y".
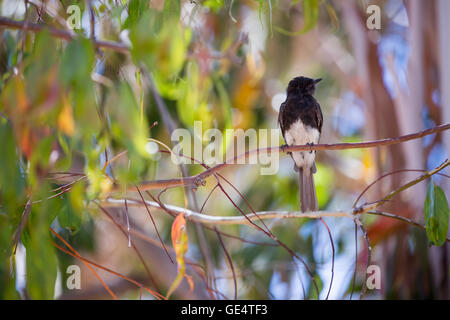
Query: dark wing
{"x": 280, "y": 118}
{"x": 319, "y": 116}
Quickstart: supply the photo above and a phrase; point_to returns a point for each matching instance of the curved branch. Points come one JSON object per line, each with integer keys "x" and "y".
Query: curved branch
{"x": 58, "y": 33}
{"x": 208, "y": 219}
{"x": 199, "y": 178}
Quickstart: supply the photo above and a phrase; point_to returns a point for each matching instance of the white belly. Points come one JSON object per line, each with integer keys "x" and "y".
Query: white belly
{"x": 299, "y": 134}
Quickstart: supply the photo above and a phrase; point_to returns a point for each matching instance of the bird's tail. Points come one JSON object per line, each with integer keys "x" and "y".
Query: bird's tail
{"x": 308, "y": 197}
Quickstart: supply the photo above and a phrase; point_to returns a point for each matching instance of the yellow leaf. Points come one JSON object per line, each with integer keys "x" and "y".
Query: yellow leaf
{"x": 22, "y": 100}
{"x": 369, "y": 172}
{"x": 179, "y": 237}
{"x": 180, "y": 245}
{"x": 65, "y": 119}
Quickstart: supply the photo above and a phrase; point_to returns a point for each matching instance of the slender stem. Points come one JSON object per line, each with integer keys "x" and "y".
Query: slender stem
{"x": 369, "y": 258}
{"x": 58, "y": 33}
{"x": 214, "y": 220}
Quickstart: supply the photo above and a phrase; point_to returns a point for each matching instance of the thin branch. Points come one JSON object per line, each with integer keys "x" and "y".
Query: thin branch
{"x": 228, "y": 220}
{"x": 58, "y": 33}
{"x": 372, "y": 206}
{"x": 400, "y": 218}
{"x": 22, "y": 223}
{"x": 150, "y": 275}
{"x": 199, "y": 178}
{"x": 264, "y": 215}
{"x": 156, "y": 228}
{"x": 356, "y": 260}
{"x": 416, "y": 181}
{"x": 369, "y": 257}
{"x": 91, "y": 19}
{"x": 76, "y": 254}
{"x": 388, "y": 174}
{"x": 333, "y": 251}
{"x": 229, "y": 260}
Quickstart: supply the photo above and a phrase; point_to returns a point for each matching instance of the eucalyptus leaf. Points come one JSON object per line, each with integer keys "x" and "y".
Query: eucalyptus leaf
{"x": 41, "y": 260}
{"x": 436, "y": 214}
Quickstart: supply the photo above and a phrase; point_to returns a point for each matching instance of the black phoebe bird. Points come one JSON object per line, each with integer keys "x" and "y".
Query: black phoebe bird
{"x": 300, "y": 120}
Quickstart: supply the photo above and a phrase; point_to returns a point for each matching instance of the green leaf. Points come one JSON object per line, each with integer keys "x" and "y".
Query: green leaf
{"x": 77, "y": 62}
{"x": 172, "y": 9}
{"x": 135, "y": 10}
{"x": 214, "y": 5}
{"x": 75, "y": 73}
{"x": 12, "y": 182}
{"x": 163, "y": 51}
{"x": 128, "y": 130}
{"x": 312, "y": 293}
{"x": 41, "y": 268}
{"x": 39, "y": 160}
{"x": 70, "y": 216}
{"x": 7, "y": 276}
{"x": 41, "y": 259}
{"x": 436, "y": 214}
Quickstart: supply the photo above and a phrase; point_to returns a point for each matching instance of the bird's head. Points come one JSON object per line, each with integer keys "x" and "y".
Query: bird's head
{"x": 302, "y": 85}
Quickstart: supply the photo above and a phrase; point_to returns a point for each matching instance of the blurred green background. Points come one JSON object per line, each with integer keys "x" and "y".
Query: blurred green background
{"x": 70, "y": 107}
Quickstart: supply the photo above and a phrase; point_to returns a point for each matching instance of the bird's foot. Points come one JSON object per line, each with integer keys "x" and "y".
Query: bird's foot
{"x": 283, "y": 148}
{"x": 311, "y": 144}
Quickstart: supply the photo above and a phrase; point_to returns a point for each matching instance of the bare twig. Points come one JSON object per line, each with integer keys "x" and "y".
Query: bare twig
{"x": 229, "y": 260}
{"x": 388, "y": 174}
{"x": 230, "y": 220}
{"x": 87, "y": 264}
{"x": 333, "y": 251}
{"x": 91, "y": 19}
{"x": 58, "y": 33}
{"x": 156, "y": 228}
{"x": 263, "y": 215}
{"x": 22, "y": 223}
{"x": 194, "y": 180}
{"x": 248, "y": 218}
{"x": 150, "y": 275}
{"x": 75, "y": 254}
{"x": 356, "y": 261}
{"x": 372, "y": 206}
{"x": 400, "y": 218}
{"x": 369, "y": 257}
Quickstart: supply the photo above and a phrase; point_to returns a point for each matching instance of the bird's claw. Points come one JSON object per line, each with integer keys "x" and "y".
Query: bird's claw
{"x": 200, "y": 182}
{"x": 311, "y": 144}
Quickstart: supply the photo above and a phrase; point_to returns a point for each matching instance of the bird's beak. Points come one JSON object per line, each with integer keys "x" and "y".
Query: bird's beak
{"x": 318, "y": 80}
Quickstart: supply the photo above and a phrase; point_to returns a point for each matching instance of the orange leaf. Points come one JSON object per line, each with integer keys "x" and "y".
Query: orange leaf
{"x": 21, "y": 96}
{"x": 26, "y": 141}
{"x": 65, "y": 119}
{"x": 179, "y": 236}
{"x": 180, "y": 245}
